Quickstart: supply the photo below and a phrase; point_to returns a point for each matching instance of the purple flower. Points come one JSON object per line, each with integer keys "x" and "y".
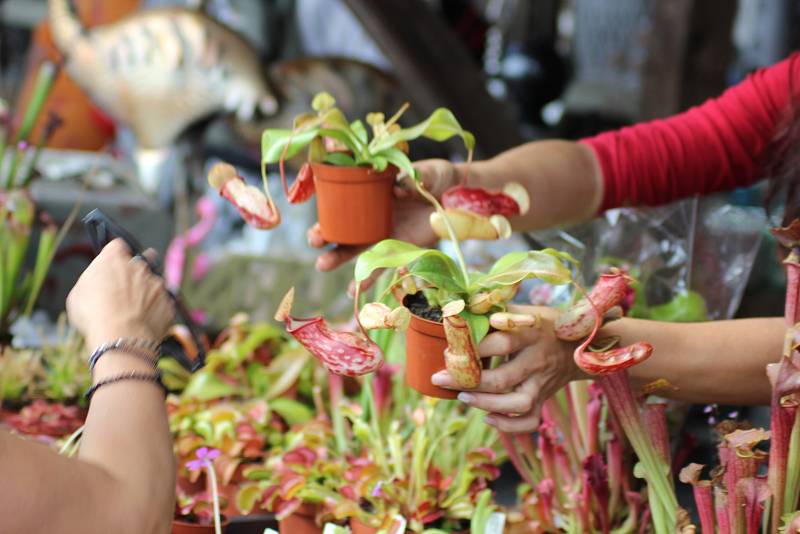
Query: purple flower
{"x": 734, "y": 414}
{"x": 376, "y": 491}
{"x": 709, "y": 408}
{"x": 204, "y": 457}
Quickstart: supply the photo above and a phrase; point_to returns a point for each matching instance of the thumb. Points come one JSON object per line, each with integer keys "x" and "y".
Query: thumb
{"x": 437, "y": 175}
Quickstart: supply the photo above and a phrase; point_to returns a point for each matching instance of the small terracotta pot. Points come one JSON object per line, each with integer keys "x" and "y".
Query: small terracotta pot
{"x": 303, "y": 521}
{"x": 357, "y": 527}
{"x": 425, "y": 344}
{"x": 354, "y": 204}
{"x": 184, "y": 527}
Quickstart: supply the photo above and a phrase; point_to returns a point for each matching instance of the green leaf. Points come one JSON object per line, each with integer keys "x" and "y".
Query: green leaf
{"x": 292, "y": 411}
{"x": 379, "y": 163}
{"x": 246, "y": 497}
{"x": 399, "y": 159}
{"x": 357, "y": 127}
{"x": 392, "y": 253}
{"x": 686, "y": 307}
{"x": 207, "y": 385}
{"x": 340, "y": 158}
{"x": 274, "y": 141}
{"x": 343, "y": 137}
{"x": 478, "y": 325}
{"x": 547, "y": 265}
{"x": 173, "y": 374}
{"x": 440, "y": 126}
{"x": 440, "y": 271}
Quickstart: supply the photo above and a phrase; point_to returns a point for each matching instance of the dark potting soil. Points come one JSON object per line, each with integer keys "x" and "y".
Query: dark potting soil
{"x": 418, "y": 305}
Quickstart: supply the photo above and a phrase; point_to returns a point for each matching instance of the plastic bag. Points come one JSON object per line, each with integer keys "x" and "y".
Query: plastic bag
{"x": 691, "y": 259}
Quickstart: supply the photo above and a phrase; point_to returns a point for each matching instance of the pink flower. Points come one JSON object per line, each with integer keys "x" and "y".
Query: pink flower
{"x": 204, "y": 456}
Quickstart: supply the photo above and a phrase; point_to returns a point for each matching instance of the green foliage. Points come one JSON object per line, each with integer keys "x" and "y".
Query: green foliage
{"x": 383, "y": 149}
{"x": 19, "y": 290}
{"x": 443, "y": 281}
{"x": 56, "y": 372}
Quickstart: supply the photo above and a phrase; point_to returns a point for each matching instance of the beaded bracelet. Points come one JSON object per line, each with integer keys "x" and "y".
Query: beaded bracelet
{"x": 141, "y": 348}
{"x": 130, "y": 375}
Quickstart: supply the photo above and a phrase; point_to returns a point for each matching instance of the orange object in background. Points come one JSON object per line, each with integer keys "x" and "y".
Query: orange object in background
{"x": 85, "y": 126}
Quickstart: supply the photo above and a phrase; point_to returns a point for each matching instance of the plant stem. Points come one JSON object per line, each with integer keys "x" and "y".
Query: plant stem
{"x": 792, "y": 491}
{"x": 459, "y": 255}
{"x": 214, "y": 495}
{"x": 620, "y": 397}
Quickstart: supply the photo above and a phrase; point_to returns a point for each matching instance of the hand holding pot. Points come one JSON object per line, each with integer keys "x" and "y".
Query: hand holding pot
{"x": 411, "y": 214}
{"x": 117, "y": 296}
{"x": 540, "y": 365}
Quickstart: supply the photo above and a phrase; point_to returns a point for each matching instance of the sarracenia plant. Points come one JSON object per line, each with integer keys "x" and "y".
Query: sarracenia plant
{"x": 575, "y": 473}
{"x": 23, "y": 150}
{"x": 332, "y": 139}
{"x": 18, "y": 289}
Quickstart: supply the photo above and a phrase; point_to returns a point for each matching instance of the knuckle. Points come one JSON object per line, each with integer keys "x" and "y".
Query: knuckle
{"x": 500, "y": 381}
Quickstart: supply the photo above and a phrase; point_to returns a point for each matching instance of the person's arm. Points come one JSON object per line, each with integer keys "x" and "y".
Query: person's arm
{"x": 123, "y": 480}
{"x": 563, "y": 178}
{"x": 715, "y": 362}
{"x": 716, "y": 146}
{"x": 720, "y": 362}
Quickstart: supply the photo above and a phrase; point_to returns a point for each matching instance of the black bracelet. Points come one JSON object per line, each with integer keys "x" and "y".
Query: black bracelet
{"x": 146, "y": 350}
{"x": 130, "y": 375}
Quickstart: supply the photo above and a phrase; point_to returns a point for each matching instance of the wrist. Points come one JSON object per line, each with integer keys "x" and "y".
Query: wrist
{"x": 96, "y": 337}
{"x": 116, "y": 361}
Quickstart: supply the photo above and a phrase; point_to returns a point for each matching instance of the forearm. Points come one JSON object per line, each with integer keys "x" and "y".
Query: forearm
{"x": 563, "y": 179}
{"x": 127, "y": 434}
{"x": 716, "y": 362}
{"x": 123, "y": 481}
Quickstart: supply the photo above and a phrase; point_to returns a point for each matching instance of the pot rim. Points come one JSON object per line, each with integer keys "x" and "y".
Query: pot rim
{"x": 352, "y": 174}
{"x": 224, "y": 521}
{"x": 426, "y": 326}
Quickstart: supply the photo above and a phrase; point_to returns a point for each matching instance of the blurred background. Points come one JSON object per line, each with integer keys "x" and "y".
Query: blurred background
{"x": 510, "y": 70}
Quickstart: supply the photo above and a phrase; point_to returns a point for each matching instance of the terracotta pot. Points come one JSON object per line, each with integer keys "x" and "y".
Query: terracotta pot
{"x": 354, "y": 204}
{"x": 184, "y": 527}
{"x": 301, "y": 522}
{"x": 357, "y": 527}
{"x": 425, "y": 344}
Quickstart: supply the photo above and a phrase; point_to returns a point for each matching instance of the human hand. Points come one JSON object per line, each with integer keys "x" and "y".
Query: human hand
{"x": 540, "y": 365}
{"x": 117, "y": 296}
{"x": 411, "y": 214}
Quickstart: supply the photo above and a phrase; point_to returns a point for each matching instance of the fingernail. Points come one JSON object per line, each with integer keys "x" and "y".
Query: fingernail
{"x": 438, "y": 379}
{"x": 489, "y": 420}
{"x": 466, "y": 398}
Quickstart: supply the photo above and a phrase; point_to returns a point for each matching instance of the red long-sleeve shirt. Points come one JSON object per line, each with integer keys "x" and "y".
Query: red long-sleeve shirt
{"x": 715, "y": 146}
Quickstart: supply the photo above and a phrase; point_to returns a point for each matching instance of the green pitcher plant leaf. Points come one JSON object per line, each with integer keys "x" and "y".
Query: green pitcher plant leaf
{"x": 392, "y": 253}
{"x": 478, "y": 325}
{"x": 339, "y": 158}
{"x": 548, "y": 265}
{"x": 438, "y": 270}
{"x": 292, "y": 411}
{"x": 440, "y": 126}
{"x": 275, "y": 140}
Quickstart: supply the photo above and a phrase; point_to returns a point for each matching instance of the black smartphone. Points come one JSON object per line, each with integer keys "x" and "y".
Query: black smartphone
{"x": 101, "y": 230}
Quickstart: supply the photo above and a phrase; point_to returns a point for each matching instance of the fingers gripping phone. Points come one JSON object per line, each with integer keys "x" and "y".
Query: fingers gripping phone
{"x": 101, "y": 230}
